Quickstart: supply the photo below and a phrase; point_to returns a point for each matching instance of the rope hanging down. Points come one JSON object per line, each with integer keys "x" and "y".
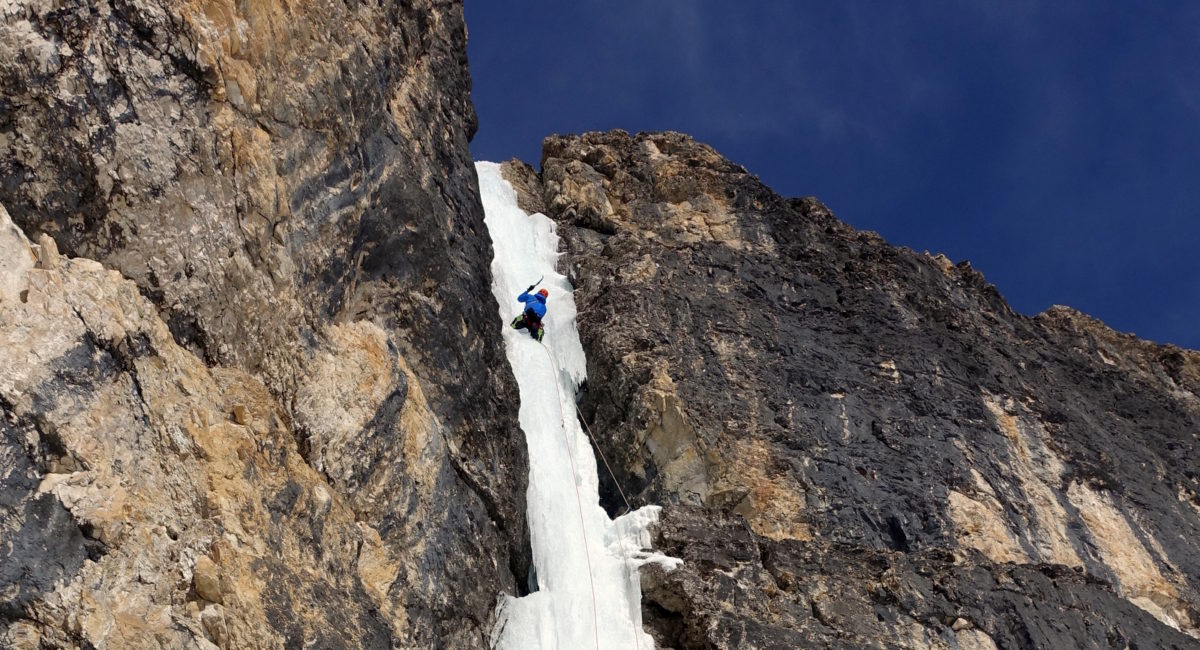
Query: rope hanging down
{"x": 620, "y": 538}
{"x": 578, "y": 499}
{"x": 624, "y": 556}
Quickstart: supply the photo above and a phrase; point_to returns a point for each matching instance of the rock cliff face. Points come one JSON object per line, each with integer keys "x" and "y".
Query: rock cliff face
{"x": 859, "y": 445}
{"x": 258, "y": 399}
{"x": 253, "y": 392}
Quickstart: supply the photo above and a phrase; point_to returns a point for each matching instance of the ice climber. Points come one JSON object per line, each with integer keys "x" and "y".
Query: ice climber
{"x": 535, "y": 309}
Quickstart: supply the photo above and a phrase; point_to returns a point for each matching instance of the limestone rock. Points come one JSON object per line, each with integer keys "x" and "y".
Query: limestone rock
{"x": 240, "y": 414}
{"x": 240, "y": 191}
{"x": 737, "y": 590}
{"x": 859, "y": 441}
{"x": 47, "y": 252}
{"x": 128, "y": 494}
{"x": 16, "y": 257}
{"x": 206, "y": 580}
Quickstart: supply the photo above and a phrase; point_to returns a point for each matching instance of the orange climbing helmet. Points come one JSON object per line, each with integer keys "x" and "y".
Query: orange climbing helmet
{"x": 543, "y": 293}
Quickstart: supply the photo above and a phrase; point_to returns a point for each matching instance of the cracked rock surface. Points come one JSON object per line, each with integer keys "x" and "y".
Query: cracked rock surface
{"x": 259, "y": 330}
{"x": 859, "y": 445}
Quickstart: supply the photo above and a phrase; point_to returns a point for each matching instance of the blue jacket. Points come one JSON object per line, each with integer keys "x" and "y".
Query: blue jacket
{"x": 533, "y": 301}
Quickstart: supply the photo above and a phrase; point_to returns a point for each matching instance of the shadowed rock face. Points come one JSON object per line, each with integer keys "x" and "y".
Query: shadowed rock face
{"x": 286, "y": 189}
{"x": 859, "y": 445}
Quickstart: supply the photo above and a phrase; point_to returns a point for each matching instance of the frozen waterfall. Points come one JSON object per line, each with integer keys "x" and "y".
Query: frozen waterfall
{"x": 586, "y": 564}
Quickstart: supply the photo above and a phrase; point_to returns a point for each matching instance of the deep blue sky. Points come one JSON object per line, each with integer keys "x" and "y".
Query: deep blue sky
{"x": 1056, "y": 145}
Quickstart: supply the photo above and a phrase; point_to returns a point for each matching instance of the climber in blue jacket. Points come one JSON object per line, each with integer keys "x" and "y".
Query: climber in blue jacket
{"x": 535, "y": 309}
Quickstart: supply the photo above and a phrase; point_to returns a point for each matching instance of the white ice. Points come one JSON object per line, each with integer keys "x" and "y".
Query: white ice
{"x": 589, "y": 595}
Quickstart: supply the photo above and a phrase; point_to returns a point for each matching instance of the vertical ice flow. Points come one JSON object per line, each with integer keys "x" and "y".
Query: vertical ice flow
{"x": 567, "y": 532}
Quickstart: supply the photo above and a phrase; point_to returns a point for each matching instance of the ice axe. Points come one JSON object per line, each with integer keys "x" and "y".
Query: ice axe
{"x": 535, "y": 284}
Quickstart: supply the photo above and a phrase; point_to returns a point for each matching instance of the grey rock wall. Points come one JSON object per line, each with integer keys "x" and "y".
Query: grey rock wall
{"x": 857, "y": 444}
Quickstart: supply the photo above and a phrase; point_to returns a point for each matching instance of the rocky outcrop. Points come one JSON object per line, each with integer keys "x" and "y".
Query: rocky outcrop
{"x": 860, "y": 445}
{"x": 268, "y": 340}
{"x": 150, "y": 500}
{"x": 742, "y": 590}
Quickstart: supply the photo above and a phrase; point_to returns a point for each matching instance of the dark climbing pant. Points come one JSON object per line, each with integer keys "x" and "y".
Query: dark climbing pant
{"x": 529, "y": 321}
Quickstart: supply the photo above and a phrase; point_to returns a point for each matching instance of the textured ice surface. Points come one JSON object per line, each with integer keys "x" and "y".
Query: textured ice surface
{"x": 586, "y": 563}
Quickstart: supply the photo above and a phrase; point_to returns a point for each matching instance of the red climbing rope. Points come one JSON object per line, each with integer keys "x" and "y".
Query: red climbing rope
{"x": 628, "y": 508}
{"x": 578, "y": 499}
